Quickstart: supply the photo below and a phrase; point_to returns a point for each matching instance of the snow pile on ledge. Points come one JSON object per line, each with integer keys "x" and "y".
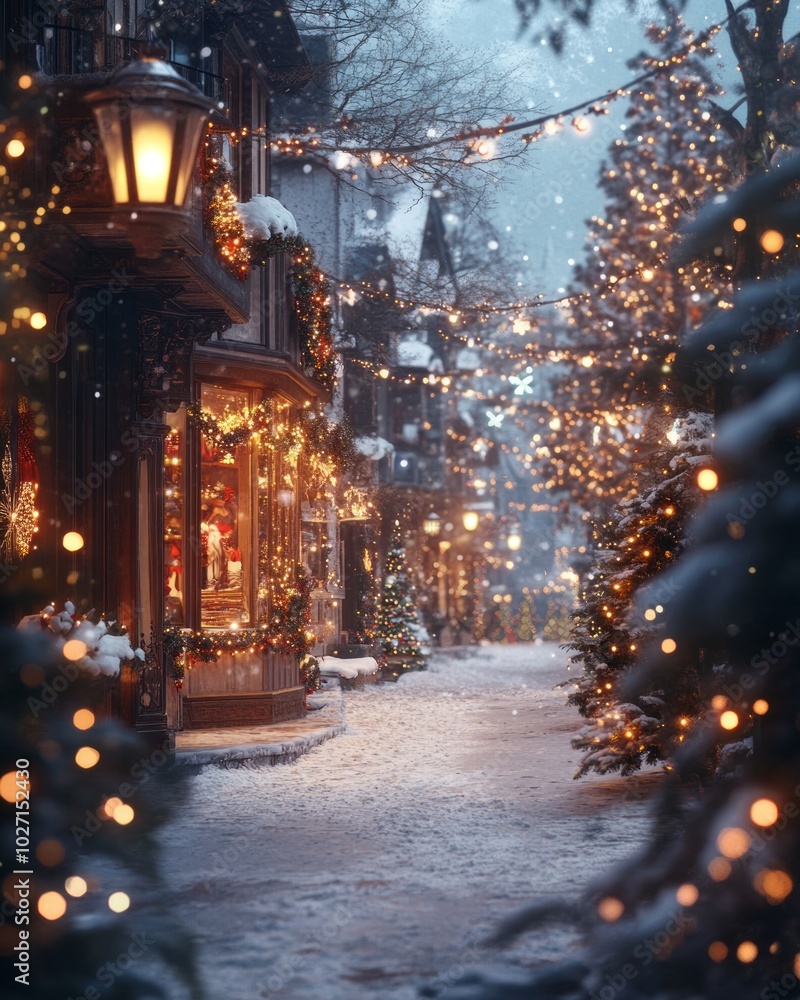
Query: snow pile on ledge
{"x": 264, "y": 217}
{"x": 348, "y": 668}
{"x": 103, "y": 651}
{"x": 416, "y": 354}
{"x": 374, "y": 448}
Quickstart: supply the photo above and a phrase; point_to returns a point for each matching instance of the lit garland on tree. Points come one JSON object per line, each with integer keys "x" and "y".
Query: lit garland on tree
{"x": 636, "y": 540}
{"x": 312, "y": 293}
{"x": 287, "y": 631}
{"x": 398, "y": 626}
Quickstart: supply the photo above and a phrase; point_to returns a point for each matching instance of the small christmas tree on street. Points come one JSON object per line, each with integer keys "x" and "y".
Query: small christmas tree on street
{"x": 526, "y": 630}
{"x": 399, "y": 629}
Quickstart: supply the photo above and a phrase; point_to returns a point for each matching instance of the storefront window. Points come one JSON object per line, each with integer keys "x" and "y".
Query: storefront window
{"x": 226, "y": 515}
{"x": 174, "y": 517}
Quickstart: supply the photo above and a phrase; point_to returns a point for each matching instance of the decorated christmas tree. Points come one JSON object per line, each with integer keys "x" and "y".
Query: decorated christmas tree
{"x": 80, "y": 796}
{"x": 399, "y": 628}
{"x": 526, "y": 629}
{"x": 636, "y": 540}
{"x": 620, "y": 338}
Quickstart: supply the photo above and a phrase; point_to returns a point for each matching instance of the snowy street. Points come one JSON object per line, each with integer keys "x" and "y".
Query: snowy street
{"x": 370, "y": 866}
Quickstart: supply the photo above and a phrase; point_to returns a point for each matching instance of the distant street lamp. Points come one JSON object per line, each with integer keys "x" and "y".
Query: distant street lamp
{"x": 471, "y": 520}
{"x": 151, "y": 122}
{"x": 514, "y": 541}
{"x": 432, "y": 524}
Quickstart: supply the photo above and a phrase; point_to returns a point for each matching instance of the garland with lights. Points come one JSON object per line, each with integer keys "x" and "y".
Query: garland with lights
{"x": 238, "y": 254}
{"x": 287, "y": 632}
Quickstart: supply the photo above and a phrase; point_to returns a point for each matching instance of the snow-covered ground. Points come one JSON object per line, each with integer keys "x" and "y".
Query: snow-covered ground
{"x": 375, "y": 863}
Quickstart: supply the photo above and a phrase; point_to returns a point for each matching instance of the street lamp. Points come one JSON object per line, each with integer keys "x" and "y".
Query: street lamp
{"x": 432, "y": 524}
{"x": 471, "y": 519}
{"x": 150, "y": 121}
{"x": 514, "y": 541}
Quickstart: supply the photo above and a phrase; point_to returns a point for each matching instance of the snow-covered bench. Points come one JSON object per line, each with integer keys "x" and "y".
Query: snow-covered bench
{"x": 347, "y": 673}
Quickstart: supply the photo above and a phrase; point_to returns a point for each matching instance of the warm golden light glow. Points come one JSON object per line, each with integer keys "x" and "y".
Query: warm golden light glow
{"x": 774, "y": 885}
{"x": 74, "y": 649}
{"x": 52, "y": 905}
{"x": 687, "y": 894}
{"x": 747, "y": 952}
{"x": 772, "y": 241}
{"x": 764, "y": 812}
{"x": 760, "y": 706}
{"x": 152, "y": 154}
{"x": 707, "y": 479}
{"x": 72, "y": 541}
{"x": 733, "y": 842}
{"x": 471, "y": 520}
{"x": 610, "y": 908}
{"x": 8, "y": 786}
{"x": 729, "y": 720}
{"x": 669, "y": 646}
{"x": 38, "y": 320}
{"x": 719, "y": 869}
{"x": 76, "y": 886}
{"x": 83, "y": 719}
{"x": 87, "y": 757}
{"x": 119, "y": 902}
{"x": 717, "y": 951}
{"x": 15, "y": 148}
{"x": 123, "y": 814}
{"x": 514, "y": 542}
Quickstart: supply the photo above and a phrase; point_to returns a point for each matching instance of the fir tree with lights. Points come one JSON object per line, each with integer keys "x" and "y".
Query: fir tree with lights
{"x": 637, "y": 539}
{"x": 398, "y": 627}
{"x": 525, "y": 627}
{"x": 669, "y": 159}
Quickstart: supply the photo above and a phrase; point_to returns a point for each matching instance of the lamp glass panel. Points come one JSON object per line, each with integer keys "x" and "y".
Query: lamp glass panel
{"x": 111, "y": 134}
{"x": 153, "y": 137}
{"x": 195, "y": 120}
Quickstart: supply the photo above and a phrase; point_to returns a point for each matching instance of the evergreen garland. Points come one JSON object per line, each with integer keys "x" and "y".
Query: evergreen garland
{"x": 238, "y": 254}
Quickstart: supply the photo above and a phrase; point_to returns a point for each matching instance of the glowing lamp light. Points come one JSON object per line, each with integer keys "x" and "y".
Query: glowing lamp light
{"x": 15, "y": 148}
{"x": 471, "y": 519}
{"x": 150, "y": 142}
{"x": 432, "y": 524}
{"x": 729, "y": 720}
{"x": 514, "y": 541}
{"x": 38, "y": 320}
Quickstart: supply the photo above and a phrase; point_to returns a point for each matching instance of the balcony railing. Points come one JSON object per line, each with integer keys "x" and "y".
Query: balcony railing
{"x": 68, "y": 51}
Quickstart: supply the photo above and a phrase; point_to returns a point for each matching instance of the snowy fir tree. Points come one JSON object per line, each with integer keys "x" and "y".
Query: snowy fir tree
{"x": 718, "y": 879}
{"x": 398, "y": 628}
{"x": 523, "y": 621}
{"x": 630, "y": 307}
{"x": 83, "y": 796}
{"x": 637, "y": 539}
